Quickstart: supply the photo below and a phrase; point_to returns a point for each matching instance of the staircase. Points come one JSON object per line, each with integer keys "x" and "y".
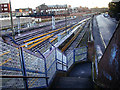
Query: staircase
{"x": 79, "y": 77}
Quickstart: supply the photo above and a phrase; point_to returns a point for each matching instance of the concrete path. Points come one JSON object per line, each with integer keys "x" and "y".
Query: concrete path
{"x": 106, "y": 27}
{"x": 79, "y": 77}
{"x": 103, "y": 29}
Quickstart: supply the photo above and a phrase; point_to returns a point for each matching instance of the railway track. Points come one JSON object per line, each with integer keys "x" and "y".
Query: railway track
{"x": 37, "y": 32}
{"x": 77, "y": 41}
{"x": 39, "y": 40}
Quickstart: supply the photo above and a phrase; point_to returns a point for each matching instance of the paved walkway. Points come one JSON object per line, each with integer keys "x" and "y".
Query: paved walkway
{"x": 103, "y": 29}
{"x": 79, "y": 77}
{"x": 96, "y": 35}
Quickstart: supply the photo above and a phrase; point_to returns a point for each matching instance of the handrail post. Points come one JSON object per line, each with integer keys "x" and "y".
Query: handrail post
{"x": 55, "y": 54}
{"x": 23, "y": 68}
{"x": 12, "y": 39}
{"x": 56, "y": 58}
{"x": 74, "y": 56}
{"x": 45, "y": 66}
{"x": 62, "y": 61}
{"x": 67, "y": 61}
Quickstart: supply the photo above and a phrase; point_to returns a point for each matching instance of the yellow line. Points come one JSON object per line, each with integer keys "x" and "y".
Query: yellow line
{"x": 5, "y": 61}
{"x": 46, "y": 33}
{"x": 33, "y": 82}
{"x": 35, "y": 37}
{"x": 64, "y": 48}
{"x": 50, "y": 33}
{"x": 54, "y": 39}
{"x": 5, "y": 53}
{"x": 103, "y": 40}
{"x": 18, "y": 54}
{"x": 35, "y": 41}
{"x": 40, "y": 42}
{"x": 64, "y": 32}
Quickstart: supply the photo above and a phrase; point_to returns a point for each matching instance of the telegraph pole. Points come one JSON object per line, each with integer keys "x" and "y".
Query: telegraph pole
{"x": 65, "y": 17}
{"x": 11, "y": 19}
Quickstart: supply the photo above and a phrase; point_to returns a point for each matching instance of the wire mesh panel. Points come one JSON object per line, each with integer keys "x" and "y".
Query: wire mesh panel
{"x": 10, "y": 65}
{"x": 59, "y": 65}
{"x": 12, "y": 83}
{"x": 59, "y": 55}
{"x": 34, "y": 67}
{"x": 61, "y": 59}
{"x": 70, "y": 59}
{"x": 51, "y": 64}
{"x": 65, "y": 63}
{"x": 9, "y": 56}
{"x": 33, "y": 62}
{"x": 81, "y": 54}
{"x": 36, "y": 82}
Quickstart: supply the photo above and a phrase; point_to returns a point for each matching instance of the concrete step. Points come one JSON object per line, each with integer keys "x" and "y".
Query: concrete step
{"x": 73, "y": 82}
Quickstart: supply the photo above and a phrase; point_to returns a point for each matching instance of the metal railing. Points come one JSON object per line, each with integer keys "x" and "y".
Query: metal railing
{"x": 21, "y": 69}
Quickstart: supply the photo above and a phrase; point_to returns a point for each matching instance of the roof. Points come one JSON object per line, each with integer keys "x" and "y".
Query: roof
{"x": 56, "y": 5}
{"x": 115, "y": 0}
{"x": 4, "y": 1}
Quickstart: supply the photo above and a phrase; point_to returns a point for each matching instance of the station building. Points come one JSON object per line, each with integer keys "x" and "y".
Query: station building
{"x": 52, "y": 9}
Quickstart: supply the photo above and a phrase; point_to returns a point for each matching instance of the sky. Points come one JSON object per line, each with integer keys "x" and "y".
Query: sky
{"x": 74, "y": 3}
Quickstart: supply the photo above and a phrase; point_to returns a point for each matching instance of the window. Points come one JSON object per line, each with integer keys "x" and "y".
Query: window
{"x": 5, "y": 9}
{"x": 5, "y": 5}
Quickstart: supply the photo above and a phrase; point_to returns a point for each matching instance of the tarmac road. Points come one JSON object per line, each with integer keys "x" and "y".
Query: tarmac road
{"x": 103, "y": 29}
{"x": 106, "y": 27}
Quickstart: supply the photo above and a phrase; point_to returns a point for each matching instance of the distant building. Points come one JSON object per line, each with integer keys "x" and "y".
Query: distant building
{"x": 102, "y": 10}
{"x": 52, "y": 9}
{"x": 4, "y": 6}
{"x": 115, "y": 0}
{"x": 23, "y": 11}
{"x": 80, "y": 9}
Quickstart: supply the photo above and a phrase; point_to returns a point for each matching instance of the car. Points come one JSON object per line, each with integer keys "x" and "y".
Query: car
{"x": 105, "y": 15}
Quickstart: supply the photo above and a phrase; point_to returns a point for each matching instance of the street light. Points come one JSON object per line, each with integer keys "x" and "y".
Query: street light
{"x": 11, "y": 19}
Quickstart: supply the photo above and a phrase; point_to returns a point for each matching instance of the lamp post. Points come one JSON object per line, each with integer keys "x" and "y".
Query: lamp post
{"x": 11, "y": 19}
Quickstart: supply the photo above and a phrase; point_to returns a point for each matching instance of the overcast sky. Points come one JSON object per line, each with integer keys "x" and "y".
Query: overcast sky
{"x": 73, "y": 3}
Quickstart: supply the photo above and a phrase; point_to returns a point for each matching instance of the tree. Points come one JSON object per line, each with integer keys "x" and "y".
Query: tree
{"x": 114, "y": 9}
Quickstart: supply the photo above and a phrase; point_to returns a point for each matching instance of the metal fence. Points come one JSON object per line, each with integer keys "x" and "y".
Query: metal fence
{"x": 35, "y": 71}
{"x": 10, "y": 65}
{"x": 61, "y": 60}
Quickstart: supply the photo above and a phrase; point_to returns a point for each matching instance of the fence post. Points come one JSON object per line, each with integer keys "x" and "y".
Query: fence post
{"x": 74, "y": 56}
{"x": 12, "y": 40}
{"x": 56, "y": 57}
{"x": 45, "y": 66}
{"x": 23, "y": 68}
{"x": 67, "y": 61}
{"x": 62, "y": 61}
{"x": 55, "y": 53}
